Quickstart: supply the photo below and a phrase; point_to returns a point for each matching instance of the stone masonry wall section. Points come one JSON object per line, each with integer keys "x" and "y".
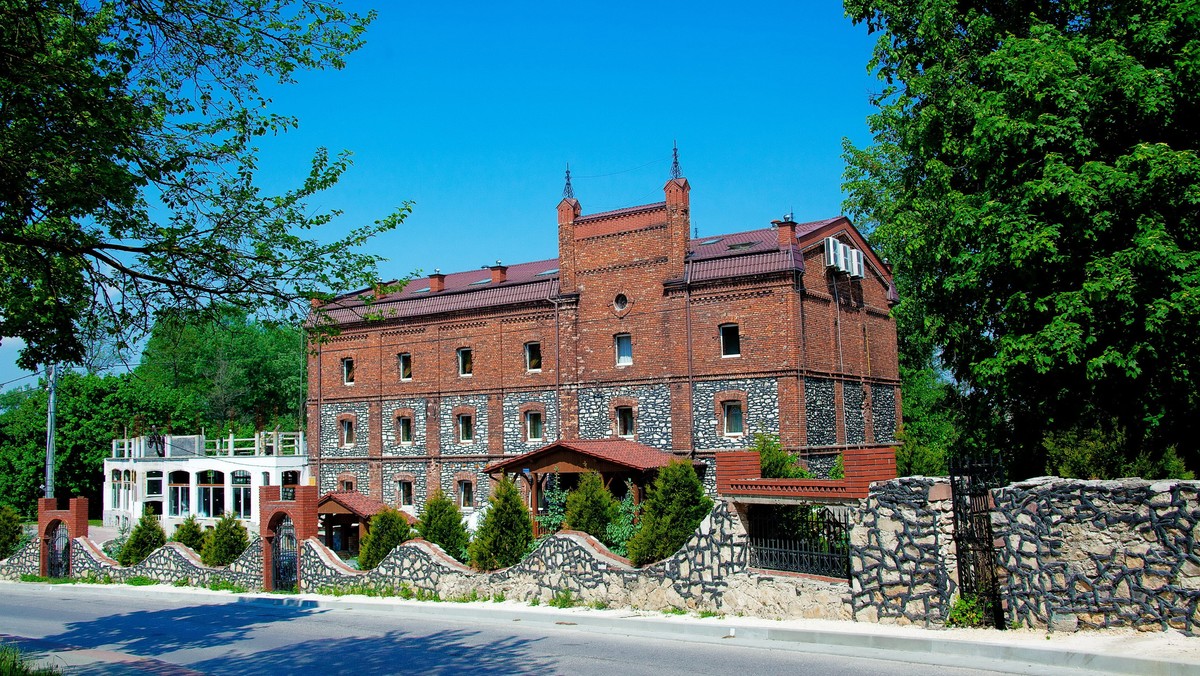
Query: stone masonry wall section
{"x": 25, "y": 561}
{"x": 761, "y": 414}
{"x": 708, "y": 573}
{"x": 883, "y": 413}
{"x": 415, "y": 470}
{"x": 330, "y": 472}
{"x": 853, "y": 399}
{"x": 819, "y": 412}
{"x": 391, "y": 435}
{"x": 653, "y": 419}
{"x": 448, "y": 430}
{"x": 331, "y": 446}
{"x": 514, "y": 423}
{"x": 169, "y": 564}
{"x": 1095, "y": 554}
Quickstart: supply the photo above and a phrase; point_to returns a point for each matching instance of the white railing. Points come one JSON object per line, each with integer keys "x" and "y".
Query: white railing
{"x": 190, "y": 446}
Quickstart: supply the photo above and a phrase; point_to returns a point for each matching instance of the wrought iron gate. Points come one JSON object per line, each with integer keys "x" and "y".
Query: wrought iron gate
{"x": 971, "y": 478}
{"x": 800, "y": 539}
{"x": 283, "y": 555}
{"x": 59, "y": 564}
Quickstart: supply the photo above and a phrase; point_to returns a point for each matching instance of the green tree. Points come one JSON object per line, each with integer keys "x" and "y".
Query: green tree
{"x": 505, "y": 532}
{"x": 556, "y": 507}
{"x": 441, "y": 523}
{"x": 590, "y": 507}
{"x": 776, "y": 463}
{"x": 674, "y": 507}
{"x": 190, "y": 534}
{"x": 1032, "y": 178}
{"x": 388, "y": 529}
{"x": 146, "y": 537}
{"x": 10, "y": 531}
{"x": 225, "y": 542}
{"x": 128, "y": 134}
{"x": 626, "y": 523}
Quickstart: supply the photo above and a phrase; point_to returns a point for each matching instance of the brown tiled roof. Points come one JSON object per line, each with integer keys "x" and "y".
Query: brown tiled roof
{"x": 361, "y": 505}
{"x": 619, "y": 451}
{"x": 753, "y": 252}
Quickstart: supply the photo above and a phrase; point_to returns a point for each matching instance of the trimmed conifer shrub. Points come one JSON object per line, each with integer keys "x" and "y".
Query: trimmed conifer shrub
{"x": 189, "y": 533}
{"x": 388, "y": 529}
{"x": 675, "y": 506}
{"x": 775, "y": 462}
{"x": 590, "y": 507}
{"x": 505, "y": 532}
{"x": 146, "y": 537}
{"x": 441, "y": 523}
{"x": 10, "y": 531}
{"x": 224, "y": 543}
{"x": 626, "y": 524}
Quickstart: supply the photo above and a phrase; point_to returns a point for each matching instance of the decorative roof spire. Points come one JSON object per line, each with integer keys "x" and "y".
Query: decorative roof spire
{"x": 568, "y": 191}
{"x": 675, "y": 172}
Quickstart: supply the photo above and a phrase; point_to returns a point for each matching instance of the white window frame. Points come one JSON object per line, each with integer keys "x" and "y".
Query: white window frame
{"x": 210, "y": 497}
{"x": 242, "y": 506}
{"x": 179, "y": 497}
{"x": 401, "y": 484}
{"x": 741, "y": 415}
{"x": 401, "y": 359}
{"x": 737, "y": 335}
{"x": 400, "y": 429}
{"x": 346, "y": 433}
{"x": 466, "y": 362}
{"x": 529, "y": 367}
{"x": 541, "y": 424}
{"x": 618, "y": 340}
{"x": 466, "y": 489}
{"x": 465, "y": 423}
{"x": 348, "y": 370}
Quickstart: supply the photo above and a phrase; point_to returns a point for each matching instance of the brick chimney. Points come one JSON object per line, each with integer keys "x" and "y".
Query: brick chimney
{"x": 437, "y": 282}
{"x": 679, "y": 222}
{"x": 499, "y": 272}
{"x": 569, "y": 209}
{"x": 786, "y": 230}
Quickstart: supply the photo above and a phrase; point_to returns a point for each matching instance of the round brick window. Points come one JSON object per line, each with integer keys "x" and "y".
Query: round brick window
{"x": 620, "y": 302}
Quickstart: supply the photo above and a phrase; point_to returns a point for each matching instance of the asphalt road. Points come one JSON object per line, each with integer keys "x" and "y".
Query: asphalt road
{"x": 106, "y": 631}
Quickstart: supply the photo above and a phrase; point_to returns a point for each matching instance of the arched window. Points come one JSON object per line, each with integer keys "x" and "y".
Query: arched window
{"x": 241, "y": 493}
{"x": 212, "y": 493}
{"x": 114, "y": 497}
{"x": 178, "y": 502}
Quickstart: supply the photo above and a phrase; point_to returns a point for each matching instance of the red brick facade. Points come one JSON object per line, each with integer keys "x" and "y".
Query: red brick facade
{"x": 301, "y": 508}
{"x": 628, "y": 321}
{"x": 51, "y": 511}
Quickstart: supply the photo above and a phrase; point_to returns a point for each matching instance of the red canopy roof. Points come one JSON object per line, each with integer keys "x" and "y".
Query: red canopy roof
{"x": 623, "y": 452}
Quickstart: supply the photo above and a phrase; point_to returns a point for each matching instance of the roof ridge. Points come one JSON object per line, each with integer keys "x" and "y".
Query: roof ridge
{"x": 623, "y": 210}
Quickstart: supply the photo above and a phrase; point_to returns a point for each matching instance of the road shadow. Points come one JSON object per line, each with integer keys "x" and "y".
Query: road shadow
{"x": 397, "y": 652}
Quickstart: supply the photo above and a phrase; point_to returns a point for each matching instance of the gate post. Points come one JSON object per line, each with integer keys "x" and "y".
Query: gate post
{"x": 300, "y": 504}
{"x": 51, "y": 512}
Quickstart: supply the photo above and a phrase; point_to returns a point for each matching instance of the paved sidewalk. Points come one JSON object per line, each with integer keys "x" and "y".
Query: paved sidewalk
{"x": 1016, "y": 651}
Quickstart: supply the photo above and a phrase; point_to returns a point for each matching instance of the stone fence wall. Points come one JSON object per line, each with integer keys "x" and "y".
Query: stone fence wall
{"x": 1070, "y": 554}
{"x": 170, "y": 564}
{"x": 709, "y": 573}
{"x": 26, "y": 561}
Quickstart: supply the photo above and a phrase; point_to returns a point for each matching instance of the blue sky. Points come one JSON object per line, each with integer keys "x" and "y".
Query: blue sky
{"x": 472, "y": 110}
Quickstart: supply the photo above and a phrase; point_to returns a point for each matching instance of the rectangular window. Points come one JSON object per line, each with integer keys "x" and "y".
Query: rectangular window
{"x": 733, "y": 419}
{"x": 348, "y": 371}
{"x": 533, "y": 356}
{"x": 731, "y": 342}
{"x": 154, "y": 483}
{"x": 241, "y": 494}
{"x": 466, "y": 429}
{"x": 405, "y": 363}
{"x": 624, "y": 345}
{"x": 625, "y": 421}
{"x": 347, "y": 432}
{"x": 347, "y": 485}
{"x": 533, "y": 426}
{"x": 404, "y": 429}
{"x": 180, "y": 496}
{"x": 404, "y": 493}
{"x": 466, "y": 494}
{"x": 465, "y": 367}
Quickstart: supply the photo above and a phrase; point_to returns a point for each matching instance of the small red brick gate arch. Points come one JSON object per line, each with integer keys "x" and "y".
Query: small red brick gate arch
{"x": 52, "y": 512}
{"x": 296, "y": 504}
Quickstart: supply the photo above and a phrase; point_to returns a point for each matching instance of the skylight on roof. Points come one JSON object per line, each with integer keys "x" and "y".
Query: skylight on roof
{"x": 543, "y": 273}
{"x": 714, "y": 240}
{"x": 741, "y": 245}
{"x": 477, "y": 282}
{"x": 425, "y": 290}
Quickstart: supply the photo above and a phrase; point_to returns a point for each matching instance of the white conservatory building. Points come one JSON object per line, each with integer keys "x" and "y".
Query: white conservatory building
{"x": 177, "y": 476}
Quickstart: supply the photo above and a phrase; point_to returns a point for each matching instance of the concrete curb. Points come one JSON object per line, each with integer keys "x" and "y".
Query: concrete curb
{"x": 933, "y": 647}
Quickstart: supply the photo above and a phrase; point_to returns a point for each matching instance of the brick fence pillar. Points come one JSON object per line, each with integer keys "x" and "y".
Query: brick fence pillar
{"x": 52, "y": 511}
{"x": 301, "y": 507}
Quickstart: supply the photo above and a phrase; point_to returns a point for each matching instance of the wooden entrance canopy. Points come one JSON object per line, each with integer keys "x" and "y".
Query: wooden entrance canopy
{"x": 619, "y": 459}
{"x": 343, "y": 509}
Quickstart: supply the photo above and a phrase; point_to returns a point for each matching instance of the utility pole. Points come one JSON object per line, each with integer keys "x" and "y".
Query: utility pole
{"x": 52, "y": 376}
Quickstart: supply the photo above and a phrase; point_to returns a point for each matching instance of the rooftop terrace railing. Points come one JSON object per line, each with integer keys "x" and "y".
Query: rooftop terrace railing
{"x": 196, "y": 445}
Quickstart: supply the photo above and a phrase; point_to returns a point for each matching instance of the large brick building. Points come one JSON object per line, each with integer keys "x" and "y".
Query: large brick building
{"x": 636, "y": 330}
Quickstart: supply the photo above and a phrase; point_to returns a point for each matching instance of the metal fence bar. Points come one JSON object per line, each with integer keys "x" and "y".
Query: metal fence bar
{"x": 818, "y": 544}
